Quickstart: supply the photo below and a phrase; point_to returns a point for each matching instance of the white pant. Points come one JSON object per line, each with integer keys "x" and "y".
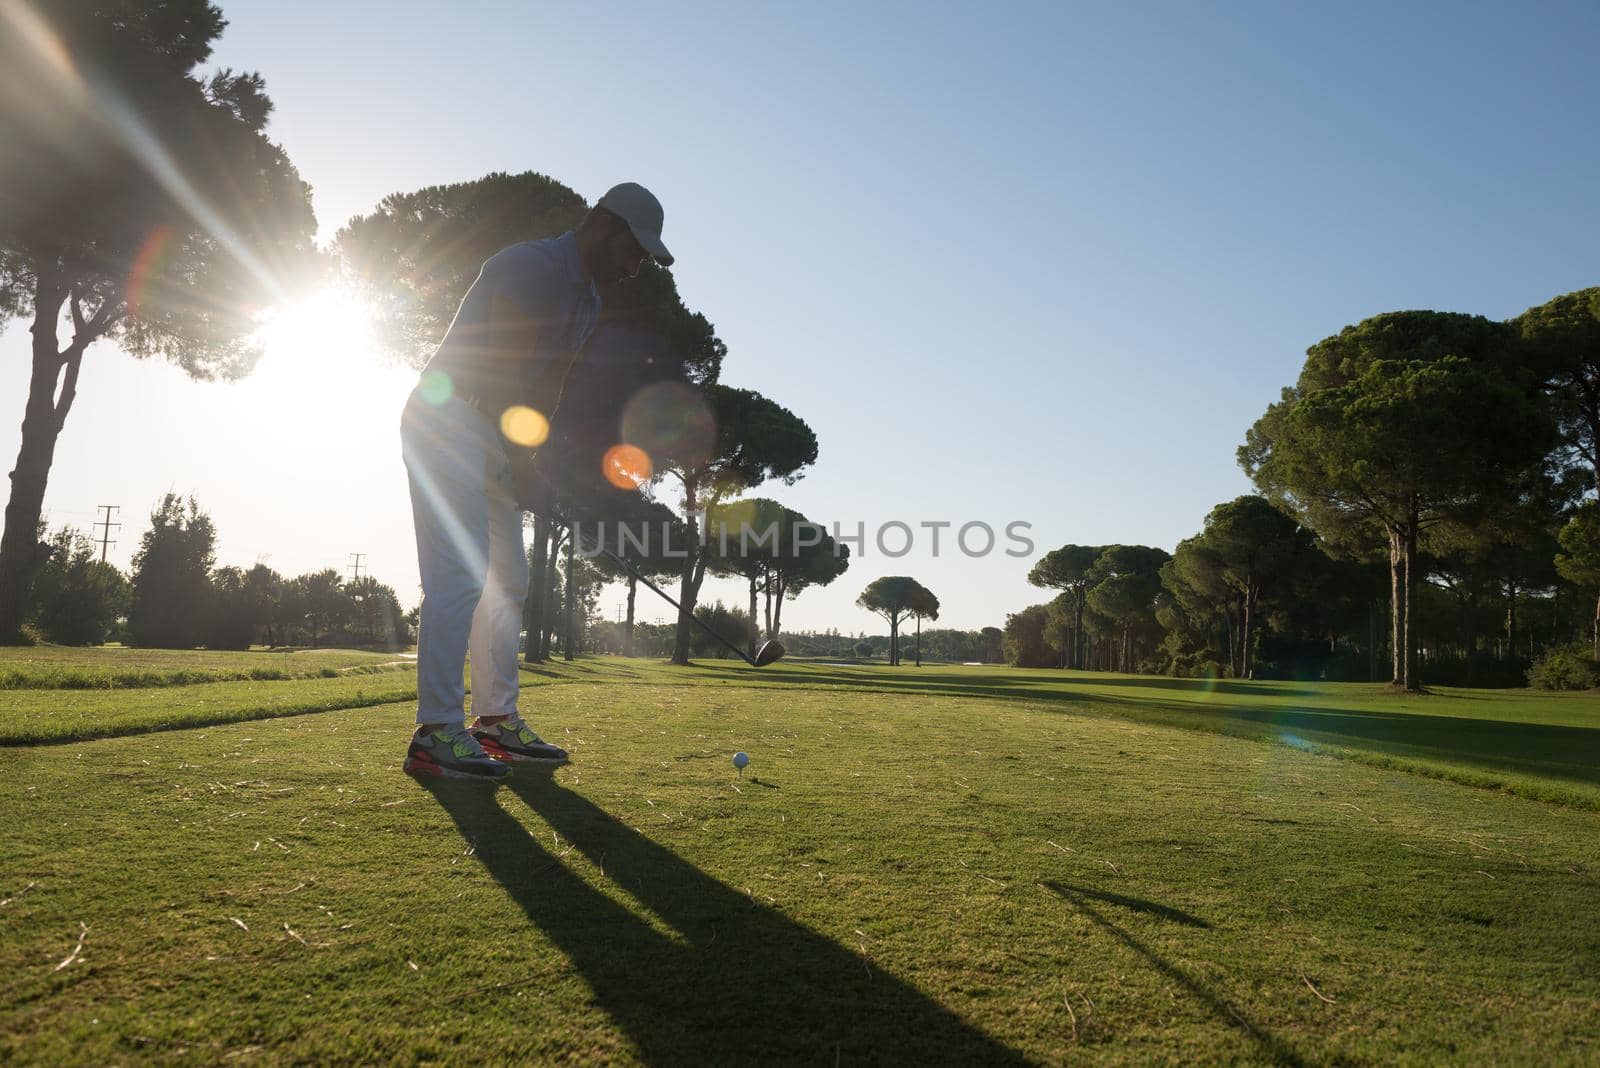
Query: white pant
{"x": 469, "y": 550}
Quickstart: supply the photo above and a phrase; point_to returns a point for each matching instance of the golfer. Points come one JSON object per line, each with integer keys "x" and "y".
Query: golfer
{"x": 517, "y": 334}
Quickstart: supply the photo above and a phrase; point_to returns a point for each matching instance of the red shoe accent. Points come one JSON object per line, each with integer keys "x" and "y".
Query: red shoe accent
{"x": 420, "y": 763}
{"x": 495, "y": 749}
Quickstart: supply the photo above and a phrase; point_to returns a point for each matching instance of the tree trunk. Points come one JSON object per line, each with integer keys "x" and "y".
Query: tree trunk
{"x": 1397, "y": 608}
{"x": 42, "y": 419}
{"x": 919, "y": 641}
{"x": 1372, "y": 642}
{"x": 552, "y": 572}
{"x": 1246, "y": 661}
{"x": 894, "y": 645}
{"x": 1511, "y": 618}
{"x": 568, "y": 638}
{"x": 1597, "y": 628}
{"x": 533, "y": 607}
{"x": 1409, "y": 660}
{"x": 766, "y": 593}
{"x": 1077, "y": 630}
{"x": 687, "y": 588}
{"x": 777, "y": 606}
{"x": 1233, "y": 654}
{"x": 627, "y": 628}
{"x": 754, "y": 631}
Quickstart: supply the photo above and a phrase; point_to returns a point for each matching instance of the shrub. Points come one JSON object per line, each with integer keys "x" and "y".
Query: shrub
{"x": 1566, "y": 667}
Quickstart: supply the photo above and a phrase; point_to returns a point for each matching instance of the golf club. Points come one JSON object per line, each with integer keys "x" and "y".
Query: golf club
{"x": 769, "y": 651}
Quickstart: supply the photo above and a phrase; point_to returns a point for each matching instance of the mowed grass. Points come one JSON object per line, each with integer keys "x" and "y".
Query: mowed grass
{"x": 908, "y": 873}
{"x": 115, "y": 667}
{"x": 1540, "y": 745}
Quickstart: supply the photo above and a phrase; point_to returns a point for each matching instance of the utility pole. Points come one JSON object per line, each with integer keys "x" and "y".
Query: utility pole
{"x": 105, "y": 539}
{"x": 355, "y": 565}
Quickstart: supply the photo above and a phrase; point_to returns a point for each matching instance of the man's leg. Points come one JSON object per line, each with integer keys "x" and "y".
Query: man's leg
{"x": 495, "y": 630}
{"x": 450, "y": 510}
{"x": 497, "y": 622}
{"x": 445, "y": 465}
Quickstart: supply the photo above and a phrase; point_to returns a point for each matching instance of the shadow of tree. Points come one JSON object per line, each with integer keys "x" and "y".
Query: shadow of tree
{"x": 1166, "y": 912}
{"x": 1538, "y": 749}
{"x": 734, "y": 982}
{"x": 1273, "y": 1047}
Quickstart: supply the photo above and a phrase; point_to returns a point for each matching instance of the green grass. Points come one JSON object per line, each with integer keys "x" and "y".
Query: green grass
{"x": 956, "y": 866}
{"x": 35, "y": 716}
{"x": 1533, "y": 743}
{"x": 60, "y": 667}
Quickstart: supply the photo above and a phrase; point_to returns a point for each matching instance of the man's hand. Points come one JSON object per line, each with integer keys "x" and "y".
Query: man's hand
{"x": 529, "y": 488}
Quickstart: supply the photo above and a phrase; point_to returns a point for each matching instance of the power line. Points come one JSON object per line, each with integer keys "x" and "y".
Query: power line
{"x": 106, "y": 540}
{"x": 355, "y": 565}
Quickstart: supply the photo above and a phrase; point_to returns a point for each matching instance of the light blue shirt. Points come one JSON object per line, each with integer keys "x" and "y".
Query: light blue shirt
{"x": 545, "y": 310}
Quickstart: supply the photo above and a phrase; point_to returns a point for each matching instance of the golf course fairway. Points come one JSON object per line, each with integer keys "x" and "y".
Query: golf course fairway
{"x": 951, "y": 865}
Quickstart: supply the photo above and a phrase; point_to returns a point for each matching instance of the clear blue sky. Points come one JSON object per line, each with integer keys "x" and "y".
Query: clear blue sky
{"x": 1041, "y": 263}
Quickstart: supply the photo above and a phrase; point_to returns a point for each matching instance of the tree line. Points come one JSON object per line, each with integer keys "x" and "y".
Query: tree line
{"x": 175, "y": 597}
{"x": 1427, "y": 511}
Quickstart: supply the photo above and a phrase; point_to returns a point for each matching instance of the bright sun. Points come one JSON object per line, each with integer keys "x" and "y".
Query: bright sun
{"x": 331, "y": 328}
{"x": 321, "y": 366}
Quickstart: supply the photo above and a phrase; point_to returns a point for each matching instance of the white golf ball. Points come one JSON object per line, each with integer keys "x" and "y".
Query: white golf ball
{"x": 740, "y": 760}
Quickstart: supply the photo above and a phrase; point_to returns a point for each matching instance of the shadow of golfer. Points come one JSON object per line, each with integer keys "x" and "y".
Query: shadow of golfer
{"x": 1272, "y": 1046}
{"x": 734, "y": 982}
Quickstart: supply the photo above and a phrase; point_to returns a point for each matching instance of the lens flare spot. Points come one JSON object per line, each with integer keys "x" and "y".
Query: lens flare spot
{"x": 523, "y": 426}
{"x": 672, "y": 422}
{"x": 149, "y": 267}
{"x": 626, "y": 466}
{"x": 435, "y": 387}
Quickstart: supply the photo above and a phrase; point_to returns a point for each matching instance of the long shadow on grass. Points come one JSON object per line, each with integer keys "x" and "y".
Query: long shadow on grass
{"x": 1166, "y": 912}
{"x": 1275, "y": 1048}
{"x": 739, "y": 984}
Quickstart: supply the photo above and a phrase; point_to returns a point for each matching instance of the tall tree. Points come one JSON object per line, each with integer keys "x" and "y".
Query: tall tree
{"x": 1199, "y": 602}
{"x": 1579, "y": 559}
{"x": 229, "y": 620}
{"x": 172, "y": 576}
{"x": 1128, "y": 581}
{"x": 924, "y": 605}
{"x": 263, "y": 588}
{"x": 751, "y": 440}
{"x": 895, "y": 597}
{"x": 78, "y": 598}
{"x": 1563, "y": 341}
{"x": 1023, "y": 641}
{"x": 1397, "y": 425}
{"x": 142, "y": 199}
{"x": 810, "y": 558}
{"x": 990, "y": 647}
{"x": 1069, "y": 569}
{"x": 321, "y": 596}
{"x": 1257, "y": 547}
{"x": 374, "y": 612}
{"x": 776, "y": 550}
{"x": 744, "y": 539}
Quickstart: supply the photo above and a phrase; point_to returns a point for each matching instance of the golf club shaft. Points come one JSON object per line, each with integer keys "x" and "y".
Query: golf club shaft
{"x": 630, "y": 569}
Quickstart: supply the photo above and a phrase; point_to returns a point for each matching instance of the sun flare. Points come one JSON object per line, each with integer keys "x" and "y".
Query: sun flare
{"x": 331, "y": 327}
{"x": 322, "y": 367}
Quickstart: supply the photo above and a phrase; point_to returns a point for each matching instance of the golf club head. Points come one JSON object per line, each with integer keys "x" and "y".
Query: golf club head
{"x": 769, "y": 652}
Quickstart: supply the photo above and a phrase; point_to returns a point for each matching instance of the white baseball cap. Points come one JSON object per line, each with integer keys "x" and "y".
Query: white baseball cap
{"x": 639, "y": 208}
